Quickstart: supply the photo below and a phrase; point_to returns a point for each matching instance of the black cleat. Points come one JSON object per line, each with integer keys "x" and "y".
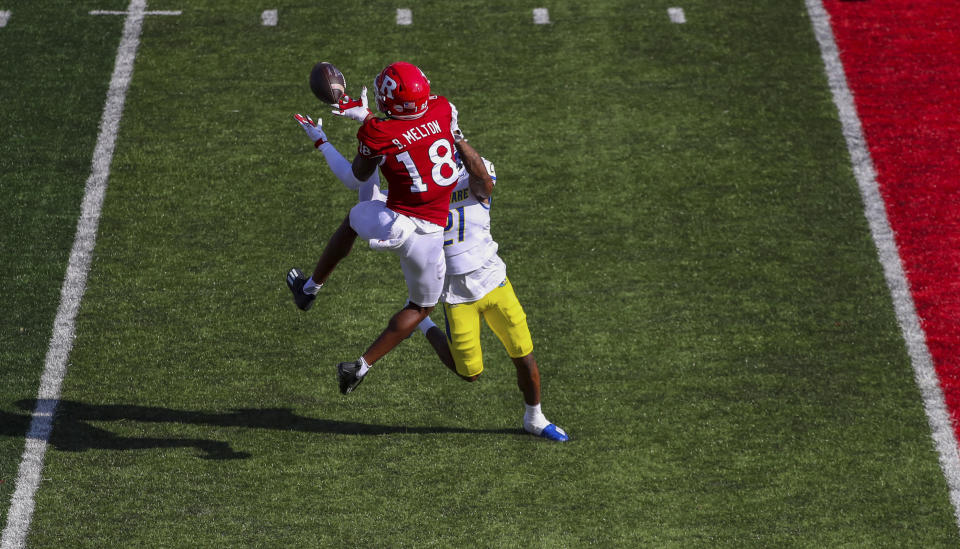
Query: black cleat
{"x": 347, "y": 375}
{"x": 295, "y": 281}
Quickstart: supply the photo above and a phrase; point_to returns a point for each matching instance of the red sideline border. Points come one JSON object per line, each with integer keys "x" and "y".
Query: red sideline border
{"x": 854, "y": 35}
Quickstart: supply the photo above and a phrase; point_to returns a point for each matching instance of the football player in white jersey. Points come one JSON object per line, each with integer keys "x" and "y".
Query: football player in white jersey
{"x": 475, "y": 286}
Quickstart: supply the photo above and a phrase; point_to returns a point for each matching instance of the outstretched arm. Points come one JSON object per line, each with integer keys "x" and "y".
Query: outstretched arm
{"x": 338, "y": 164}
{"x": 343, "y": 169}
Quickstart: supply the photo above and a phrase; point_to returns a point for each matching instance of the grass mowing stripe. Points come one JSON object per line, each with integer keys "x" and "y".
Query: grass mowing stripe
{"x": 74, "y": 285}
{"x": 926, "y": 377}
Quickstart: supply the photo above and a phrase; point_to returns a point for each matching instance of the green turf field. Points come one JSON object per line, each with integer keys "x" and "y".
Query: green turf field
{"x": 677, "y": 211}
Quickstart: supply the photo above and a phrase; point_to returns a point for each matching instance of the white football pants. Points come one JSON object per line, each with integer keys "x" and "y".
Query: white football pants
{"x": 418, "y": 243}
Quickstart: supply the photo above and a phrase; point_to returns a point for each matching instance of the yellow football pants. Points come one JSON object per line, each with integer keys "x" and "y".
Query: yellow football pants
{"x": 503, "y": 313}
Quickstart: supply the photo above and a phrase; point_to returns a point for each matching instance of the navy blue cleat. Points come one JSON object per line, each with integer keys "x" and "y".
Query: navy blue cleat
{"x": 295, "y": 281}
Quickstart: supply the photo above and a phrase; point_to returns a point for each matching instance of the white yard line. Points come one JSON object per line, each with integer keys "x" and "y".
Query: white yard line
{"x": 4, "y": 17}
{"x": 74, "y": 285}
{"x": 269, "y": 18}
{"x": 117, "y": 12}
{"x": 938, "y": 417}
{"x": 541, "y": 16}
{"x": 404, "y": 16}
{"x": 676, "y": 15}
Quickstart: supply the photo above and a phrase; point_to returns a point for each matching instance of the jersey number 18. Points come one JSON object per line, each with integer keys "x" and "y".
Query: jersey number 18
{"x": 439, "y": 161}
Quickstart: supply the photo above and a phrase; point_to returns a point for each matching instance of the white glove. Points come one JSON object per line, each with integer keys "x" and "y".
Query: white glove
{"x": 355, "y": 109}
{"x": 314, "y": 129}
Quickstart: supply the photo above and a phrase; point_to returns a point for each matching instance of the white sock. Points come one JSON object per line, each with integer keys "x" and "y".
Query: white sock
{"x": 311, "y": 287}
{"x": 533, "y": 419}
{"x": 363, "y": 367}
{"x": 425, "y": 325}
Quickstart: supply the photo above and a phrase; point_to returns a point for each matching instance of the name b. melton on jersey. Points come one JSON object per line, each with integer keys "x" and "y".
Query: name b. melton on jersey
{"x": 417, "y": 133}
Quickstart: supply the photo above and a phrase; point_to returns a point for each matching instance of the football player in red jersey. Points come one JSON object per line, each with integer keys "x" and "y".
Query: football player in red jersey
{"x": 413, "y": 147}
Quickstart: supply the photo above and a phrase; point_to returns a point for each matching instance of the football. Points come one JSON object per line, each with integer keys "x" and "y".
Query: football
{"x": 327, "y": 82}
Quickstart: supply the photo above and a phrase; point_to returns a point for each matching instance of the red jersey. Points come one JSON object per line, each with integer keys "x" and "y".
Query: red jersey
{"x": 418, "y": 160}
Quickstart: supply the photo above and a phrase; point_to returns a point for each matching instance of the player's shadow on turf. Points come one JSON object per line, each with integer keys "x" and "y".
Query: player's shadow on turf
{"x": 73, "y": 431}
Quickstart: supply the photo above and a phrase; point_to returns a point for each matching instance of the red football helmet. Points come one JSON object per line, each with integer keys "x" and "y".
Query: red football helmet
{"x": 402, "y": 91}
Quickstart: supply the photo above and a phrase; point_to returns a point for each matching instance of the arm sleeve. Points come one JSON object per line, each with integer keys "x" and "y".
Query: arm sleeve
{"x": 342, "y": 168}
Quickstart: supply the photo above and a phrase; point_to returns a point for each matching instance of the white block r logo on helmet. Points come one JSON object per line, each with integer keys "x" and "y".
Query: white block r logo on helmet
{"x": 403, "y": 91}
{"x": 387, "y": 85}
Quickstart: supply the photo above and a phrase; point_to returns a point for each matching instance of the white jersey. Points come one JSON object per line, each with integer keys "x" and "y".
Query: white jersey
{"x": 473, "y": 266}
